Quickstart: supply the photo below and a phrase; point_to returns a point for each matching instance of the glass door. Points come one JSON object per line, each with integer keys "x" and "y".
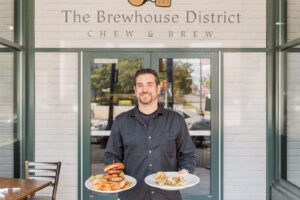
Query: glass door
{"x": 108, "y": 91}
{"x": 190, "y": 86}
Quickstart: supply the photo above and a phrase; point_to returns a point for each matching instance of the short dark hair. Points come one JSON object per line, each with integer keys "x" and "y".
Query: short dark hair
{"x": 147, "y": 71}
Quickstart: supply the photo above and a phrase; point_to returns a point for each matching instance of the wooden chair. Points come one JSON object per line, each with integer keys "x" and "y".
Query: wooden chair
{"x": 43, "y": 171}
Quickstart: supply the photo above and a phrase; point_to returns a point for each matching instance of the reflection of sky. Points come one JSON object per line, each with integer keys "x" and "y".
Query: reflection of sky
{"x": 196, "y": 69}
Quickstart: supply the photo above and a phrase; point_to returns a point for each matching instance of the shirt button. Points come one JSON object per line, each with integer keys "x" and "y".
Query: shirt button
{"x": 149, "y": 137}
{"x": 150, "y": 151}
{"x": 150, "y": 165}
{"x": 152, "y": 192}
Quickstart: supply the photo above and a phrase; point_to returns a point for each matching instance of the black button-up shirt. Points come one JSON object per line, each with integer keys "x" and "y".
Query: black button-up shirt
{"x": 163, "y": 145}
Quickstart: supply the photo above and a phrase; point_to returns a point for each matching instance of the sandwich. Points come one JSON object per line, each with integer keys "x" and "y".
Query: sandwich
{"x": 114, "y": 179}
{"x": 114, "y": 172}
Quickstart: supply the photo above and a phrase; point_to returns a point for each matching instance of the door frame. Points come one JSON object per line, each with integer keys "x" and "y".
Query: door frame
{"x": 150, "y": 59}
{"x": 86, "y": 111}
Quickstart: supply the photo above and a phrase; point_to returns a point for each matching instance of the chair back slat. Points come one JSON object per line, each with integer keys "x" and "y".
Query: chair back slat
{"x": 42, "y": 164}
{"x": 44, "y": 171}
{"x": 49, "y": 177}
{"x": 42, "y": 178}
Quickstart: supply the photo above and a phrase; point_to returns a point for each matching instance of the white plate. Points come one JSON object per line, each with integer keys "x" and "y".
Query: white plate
{"x": 88, "y": 185}
{"x": 191, "y": 178}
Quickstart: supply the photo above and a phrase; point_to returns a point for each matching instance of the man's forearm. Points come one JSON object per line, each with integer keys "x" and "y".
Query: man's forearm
{"x": 188, "y": 163}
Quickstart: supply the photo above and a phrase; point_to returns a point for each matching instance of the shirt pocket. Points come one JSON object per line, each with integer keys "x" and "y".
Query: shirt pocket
{"x": 168, "y": 142}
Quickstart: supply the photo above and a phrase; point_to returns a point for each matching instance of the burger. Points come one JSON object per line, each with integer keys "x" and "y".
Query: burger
{"x": 113, "y": 180}
{"x": 114, "y": 172}
{"x": 114, "y": 168}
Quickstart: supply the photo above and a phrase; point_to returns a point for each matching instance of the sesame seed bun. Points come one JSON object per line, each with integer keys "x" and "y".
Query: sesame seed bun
{"x": 114, "y": 166}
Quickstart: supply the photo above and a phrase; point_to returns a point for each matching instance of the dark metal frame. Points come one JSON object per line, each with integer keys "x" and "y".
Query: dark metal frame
{"x": 153, "y": 63}
{"x": 279, "y": 146}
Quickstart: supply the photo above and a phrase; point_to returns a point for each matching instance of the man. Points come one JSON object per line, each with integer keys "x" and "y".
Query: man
{"x": 148, "y": 139}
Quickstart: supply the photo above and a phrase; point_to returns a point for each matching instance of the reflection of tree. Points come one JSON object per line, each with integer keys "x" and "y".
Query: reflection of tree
{"x": 127, "y": 68}
{"x": 182, "y": 80}
{"x": 182, "y": 72}
{"x": 100, "y": 77}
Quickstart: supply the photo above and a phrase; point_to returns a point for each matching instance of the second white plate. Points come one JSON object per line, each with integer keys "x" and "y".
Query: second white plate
{"x": 192, "y": 181}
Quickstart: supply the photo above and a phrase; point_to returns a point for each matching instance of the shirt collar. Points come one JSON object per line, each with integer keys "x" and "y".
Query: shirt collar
{"x": 135, "y": 111}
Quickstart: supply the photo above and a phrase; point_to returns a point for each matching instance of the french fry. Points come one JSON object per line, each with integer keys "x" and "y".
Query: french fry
{"x": 100, "y": 183}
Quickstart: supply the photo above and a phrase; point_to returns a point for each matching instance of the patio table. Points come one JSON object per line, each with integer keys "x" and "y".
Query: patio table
{"x": 18, "y": 189}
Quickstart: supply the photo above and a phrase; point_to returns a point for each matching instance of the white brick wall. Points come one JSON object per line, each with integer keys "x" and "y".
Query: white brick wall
{"x": 52, "y": 31}
{"x": 6, "y": 19}
{"x": 56, "y": 117}
{"x": 244, "y": 126}
{"x": 6, "y": 115}
{"x": 293, "y": 15}
{"x": 293, "y": 118}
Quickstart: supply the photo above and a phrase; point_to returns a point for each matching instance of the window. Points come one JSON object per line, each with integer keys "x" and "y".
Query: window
{"x": 10, "y": 142}
{"x": 288, "y": 138}
{"x": 7, "y": 136}
{"x": 290, "y": 135}
{"x": 7, "y": 16}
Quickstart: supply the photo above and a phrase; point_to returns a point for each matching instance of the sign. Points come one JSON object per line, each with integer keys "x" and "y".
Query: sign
{"x": 155, "y": 23}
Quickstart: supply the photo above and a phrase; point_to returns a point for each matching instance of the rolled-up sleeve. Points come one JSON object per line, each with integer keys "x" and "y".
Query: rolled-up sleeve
{"x": 185, "y": 149}
{"x": 114, "y": 148}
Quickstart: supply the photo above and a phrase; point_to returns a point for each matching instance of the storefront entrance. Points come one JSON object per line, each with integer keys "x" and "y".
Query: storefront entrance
{"x": 190, "y": 86}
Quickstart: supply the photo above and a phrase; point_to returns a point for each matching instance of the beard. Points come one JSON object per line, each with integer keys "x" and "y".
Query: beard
{"x": 147, "y": 99}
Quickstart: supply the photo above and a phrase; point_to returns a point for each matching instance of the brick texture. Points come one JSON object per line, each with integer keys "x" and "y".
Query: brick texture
{"x": 56, "y": 117}
{"x": 244, "y": 126}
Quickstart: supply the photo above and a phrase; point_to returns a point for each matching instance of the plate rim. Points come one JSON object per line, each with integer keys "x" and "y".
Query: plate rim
{"x": 134, "y": 182}
{"x": 172, "y": 187}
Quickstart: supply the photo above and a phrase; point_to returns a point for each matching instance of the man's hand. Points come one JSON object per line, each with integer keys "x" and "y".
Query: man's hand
{"x": 183, "y": 171}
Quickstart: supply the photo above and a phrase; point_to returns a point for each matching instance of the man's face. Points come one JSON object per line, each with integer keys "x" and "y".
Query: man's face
{"x": 146, "y": 89}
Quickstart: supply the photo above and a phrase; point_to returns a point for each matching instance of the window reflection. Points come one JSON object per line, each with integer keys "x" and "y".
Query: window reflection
{"x": 112, "y": 93}
{"x": 8, "y": 141}
{"x": 292, "y": 19}
{"x": 186, "y": 89}
{"x": 112, "y": 90}
{"x": 7, "y": 20}
{"x": 290, "y": 139}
